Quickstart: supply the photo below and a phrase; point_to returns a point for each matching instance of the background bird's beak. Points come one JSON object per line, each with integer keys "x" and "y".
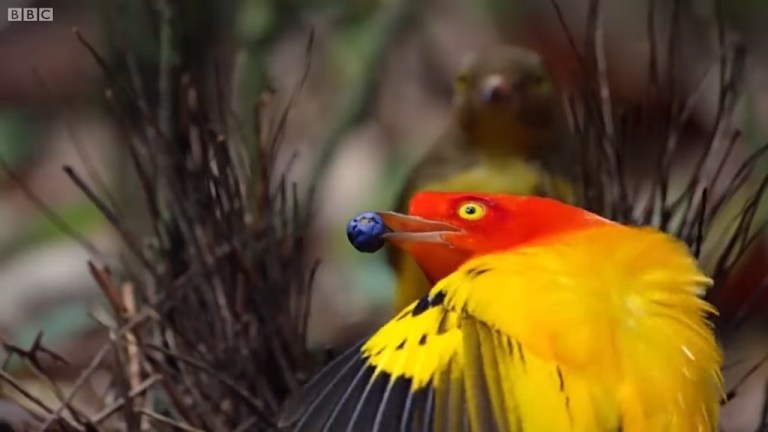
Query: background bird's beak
{"x": 404, "y": 229}
{"x": 495, "y": 88}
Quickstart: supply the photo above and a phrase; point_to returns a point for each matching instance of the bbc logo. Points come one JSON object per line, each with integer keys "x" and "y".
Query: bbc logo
{"x": 30, "y": 14}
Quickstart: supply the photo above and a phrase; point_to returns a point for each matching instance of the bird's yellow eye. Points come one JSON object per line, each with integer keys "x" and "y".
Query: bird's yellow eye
{"x": 471, "y": 211}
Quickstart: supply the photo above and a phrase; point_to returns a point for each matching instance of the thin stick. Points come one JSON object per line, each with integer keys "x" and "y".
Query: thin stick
{"x": 253, "y": 402}
{"x": 568, "y": 34}
{"x": 143, "y": 387}
{"x": 111, "y": 217}
{"x": 32, "y": 398}
{"x": 79, "y": 383}
{"x": 132, "y": 348}
{"x": 49, "y": 213}
{"x": 169, "y": 421}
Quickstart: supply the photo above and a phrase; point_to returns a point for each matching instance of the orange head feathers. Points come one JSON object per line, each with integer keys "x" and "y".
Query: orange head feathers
{"x": 445, "y": 229}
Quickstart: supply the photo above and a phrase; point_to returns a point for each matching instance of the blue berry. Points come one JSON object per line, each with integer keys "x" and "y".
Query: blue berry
{"x": 364, "y": 231}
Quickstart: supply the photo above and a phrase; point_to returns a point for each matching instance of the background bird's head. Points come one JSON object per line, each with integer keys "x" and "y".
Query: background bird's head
{"x": 443, "y": 229}
{"x": 502, "y": 94}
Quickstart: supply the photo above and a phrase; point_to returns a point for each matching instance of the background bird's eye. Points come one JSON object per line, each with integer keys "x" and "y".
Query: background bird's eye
{"x": 471, "y": 211}
{"x": 462, "y": 81}
{"x": 539, "y": 83}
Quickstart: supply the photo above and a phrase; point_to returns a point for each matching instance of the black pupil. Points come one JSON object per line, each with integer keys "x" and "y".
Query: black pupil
{"x": 470, "y": 210}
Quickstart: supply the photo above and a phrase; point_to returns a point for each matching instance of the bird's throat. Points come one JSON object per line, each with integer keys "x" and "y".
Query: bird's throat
{"x": 438, "y": 262}
{"x": 494, "y": 138}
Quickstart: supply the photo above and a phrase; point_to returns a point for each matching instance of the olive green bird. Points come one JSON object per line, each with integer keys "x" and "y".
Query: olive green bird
{"x": 505, "y": 136}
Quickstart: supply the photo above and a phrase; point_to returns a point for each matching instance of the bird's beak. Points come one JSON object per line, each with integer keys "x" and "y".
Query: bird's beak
{"x": 404, "y": 230}
{"x": 429, "y": 242}
{"x": 495, "y": 88}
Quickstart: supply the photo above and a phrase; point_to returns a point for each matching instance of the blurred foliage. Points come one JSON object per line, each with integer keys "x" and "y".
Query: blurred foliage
{"x": 371, "y": 274}
{"x": 21, "y": 147}
{"x": 80, "y": 215}
{"x": 66, "y": 321}
{"x": 19, "y": 135}
{"x": 753, "y": 127}
{"x": 373, "y": 43}
{"x": 746, "y": 14}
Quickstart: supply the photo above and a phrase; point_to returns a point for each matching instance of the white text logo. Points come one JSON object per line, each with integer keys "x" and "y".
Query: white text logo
{"x": 30, "y": 14}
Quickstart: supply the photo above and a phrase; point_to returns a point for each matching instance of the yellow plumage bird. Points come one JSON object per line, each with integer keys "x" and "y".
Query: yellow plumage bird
{"x": 506, "y": 128}
{"x": 550, "y": 318}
